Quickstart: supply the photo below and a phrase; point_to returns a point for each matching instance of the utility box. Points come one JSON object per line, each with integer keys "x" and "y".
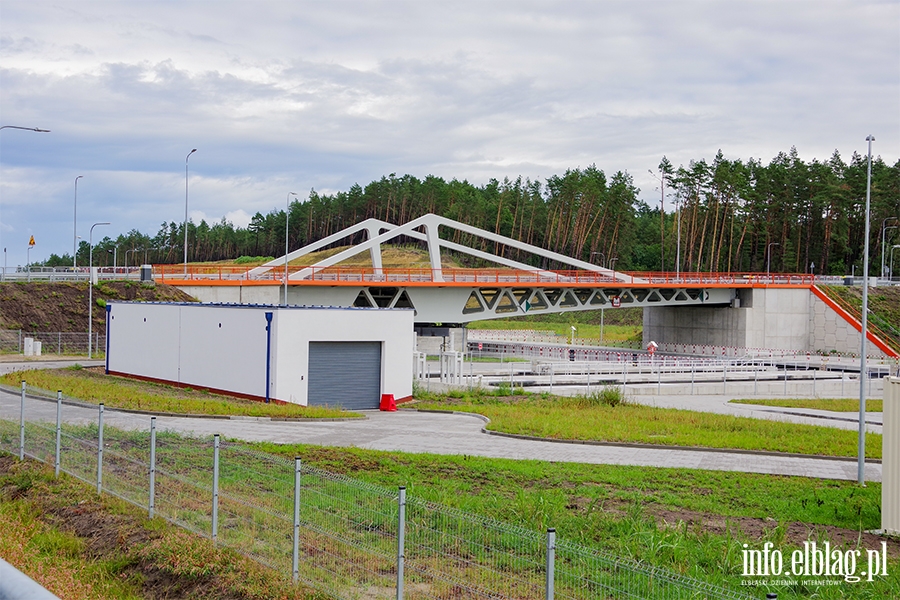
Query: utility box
{"x": 890, "y": 461}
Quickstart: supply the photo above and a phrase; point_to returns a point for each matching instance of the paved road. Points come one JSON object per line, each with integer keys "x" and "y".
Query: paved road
{"x": 411, "y": 431}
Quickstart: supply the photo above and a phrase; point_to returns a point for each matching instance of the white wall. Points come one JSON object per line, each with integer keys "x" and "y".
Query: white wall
{"x": 394, "y": 328}
{"x": 224, "y": 347}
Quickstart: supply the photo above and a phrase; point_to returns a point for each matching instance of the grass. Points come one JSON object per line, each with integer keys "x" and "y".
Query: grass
{"x": 611, "y": 333}
{"x": 82, "y": 546}
{"x": 566, "y": 418}
{"x": 691, "y": 521}
{"x": 832, "y": 404}
{"x": 119, "y": 392}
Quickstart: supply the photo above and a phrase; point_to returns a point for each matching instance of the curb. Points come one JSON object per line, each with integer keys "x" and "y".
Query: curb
{"x": 636, "y": 445}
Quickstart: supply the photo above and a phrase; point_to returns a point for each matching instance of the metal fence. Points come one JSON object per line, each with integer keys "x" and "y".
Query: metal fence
{"x": 344, "y": 537}
{"x": 52, "y": 342}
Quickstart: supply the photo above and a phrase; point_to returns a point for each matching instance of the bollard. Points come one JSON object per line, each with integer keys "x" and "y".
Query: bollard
{"x": 100, "y": 450}
{"x": 401, "y": 535}
{"x": 151, "y": 504}
{"x": 296, "y": 559}
{"x": 22, "y": 426}
{"x": 551, "y": 562}
{"x": 215, "y": 498}
{"x": 58, "y": 432}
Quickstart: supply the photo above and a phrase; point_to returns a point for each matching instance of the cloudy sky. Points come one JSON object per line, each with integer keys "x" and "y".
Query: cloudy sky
{"x": 291, "y": 96}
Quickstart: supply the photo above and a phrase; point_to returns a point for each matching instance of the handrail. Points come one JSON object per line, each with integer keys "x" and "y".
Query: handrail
{"x": 480, "y": 277}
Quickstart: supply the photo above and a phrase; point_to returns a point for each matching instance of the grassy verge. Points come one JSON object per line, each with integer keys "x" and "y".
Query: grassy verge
{"x": 611, "y": 333}
{"x": 119, "y": 392}
{"x": 589, "y": 418}
{"x": 81, "y": 546}
{"x": 833, "y": 404}
{"x": 691, "y": 521}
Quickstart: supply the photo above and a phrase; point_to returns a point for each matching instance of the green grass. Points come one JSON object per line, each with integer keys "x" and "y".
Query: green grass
{"x": 565, "y": 418}
{"x": 691, "y": 521}
{"x": 833, "y": 404}
{"x": 611, "y": 333}
{"x": 119, "y": 392}
{"x": 80, "y": 546}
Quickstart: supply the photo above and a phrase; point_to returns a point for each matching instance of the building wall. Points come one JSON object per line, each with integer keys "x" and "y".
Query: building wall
{"x": 224, "y": 347}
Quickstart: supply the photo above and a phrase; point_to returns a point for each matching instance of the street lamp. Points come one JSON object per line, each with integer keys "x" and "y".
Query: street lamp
{"x": 115, "y": 252}
{"x": 75, "y": 227}
{"x": 678, "y": 243}
{"x": 186, "y": 207}
{"x": 894, "y": 247}
{"x": 91, "y": 285}
{"x": 861, "y": 460}
{"x": 883, "y": 230}
{"x": 662, "y": 216}
{"x": 23, "y": 129}
{"x": 287, "y": 218}
{"x": 769, "y": 259}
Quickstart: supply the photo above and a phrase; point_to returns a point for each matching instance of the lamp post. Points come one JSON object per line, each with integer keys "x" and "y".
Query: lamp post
{"x": 115, "y": 252}
{"x": 75, "y": 227}
{"x": 883, "y": 230}
{"x": 678, "y": 243}
{"x": 894, "y": 247}
{"x": 287, "y": 219}
{"x": 769, "y": 259}
{"x": 91, "y": 285}
{"x": 23, "y": 129}
{"x": 186, "y": 207}
{"x": 662, "y": 217}
{"x": 861, "y": 459}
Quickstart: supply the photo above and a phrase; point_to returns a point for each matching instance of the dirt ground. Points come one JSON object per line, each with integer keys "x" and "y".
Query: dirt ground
{"x": 52, "y": 306}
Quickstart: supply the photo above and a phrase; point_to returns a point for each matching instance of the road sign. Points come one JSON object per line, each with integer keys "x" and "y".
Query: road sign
{"x": 616, "y": 301}
{"x": 31, "y": 241}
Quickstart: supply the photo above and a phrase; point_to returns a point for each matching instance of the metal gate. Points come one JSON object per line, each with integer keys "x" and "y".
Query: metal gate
{"x": 345, "y": 374}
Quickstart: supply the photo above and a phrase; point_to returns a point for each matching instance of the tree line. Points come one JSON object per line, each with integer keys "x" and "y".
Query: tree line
{"x": 719, "y": 215}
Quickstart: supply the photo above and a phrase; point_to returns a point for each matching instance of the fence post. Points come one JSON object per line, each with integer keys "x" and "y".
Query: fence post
{"x": 59, "y": 342}
{"x": 22, "y": 426}
{"x": 551, "y": 561}
{"x": 785, "y": 379}
{"x": 100, "y": 450}
{"x": 296, "y": 562}
{"x": 215, "y": 496}
{"x": 401, "y": 535}
{"x": 58, "y": 432}
{"x": 724, "y": 377}
{"x": 693, "y": 367}
{"x": 151, "y": 505}
{"x": 755, "y": 377}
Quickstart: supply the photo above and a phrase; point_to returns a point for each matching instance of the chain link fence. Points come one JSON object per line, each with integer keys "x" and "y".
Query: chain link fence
{"x": 346, "y": 538}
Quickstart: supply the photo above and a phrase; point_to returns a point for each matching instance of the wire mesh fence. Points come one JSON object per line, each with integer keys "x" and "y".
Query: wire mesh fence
{"x": 16, "y": 341}
{"x": 344, "y": 537}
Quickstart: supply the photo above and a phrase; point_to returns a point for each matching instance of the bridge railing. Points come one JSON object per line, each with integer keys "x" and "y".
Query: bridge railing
{"x": 481, "y": 277}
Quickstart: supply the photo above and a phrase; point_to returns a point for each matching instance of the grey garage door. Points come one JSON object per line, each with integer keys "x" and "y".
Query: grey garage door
{"x": 345, "y": 373}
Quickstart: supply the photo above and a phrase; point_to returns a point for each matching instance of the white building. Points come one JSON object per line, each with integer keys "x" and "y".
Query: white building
{"x": 306, "y": 355}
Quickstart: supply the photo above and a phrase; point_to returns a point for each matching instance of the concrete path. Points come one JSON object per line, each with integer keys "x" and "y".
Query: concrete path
{"x": 420, "y": 432}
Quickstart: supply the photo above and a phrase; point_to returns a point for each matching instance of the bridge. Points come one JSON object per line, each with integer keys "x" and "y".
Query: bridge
{"x": 452, "y": 295}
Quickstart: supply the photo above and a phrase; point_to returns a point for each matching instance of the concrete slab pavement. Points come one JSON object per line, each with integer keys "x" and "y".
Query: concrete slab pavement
{"x": 455, "y": 434}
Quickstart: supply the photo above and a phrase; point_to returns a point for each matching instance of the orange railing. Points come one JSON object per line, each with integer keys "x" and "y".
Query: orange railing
{"x": 475, "y": 277}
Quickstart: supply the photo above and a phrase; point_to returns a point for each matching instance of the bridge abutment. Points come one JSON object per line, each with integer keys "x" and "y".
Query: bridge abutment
{"x": 789, "y": 319}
